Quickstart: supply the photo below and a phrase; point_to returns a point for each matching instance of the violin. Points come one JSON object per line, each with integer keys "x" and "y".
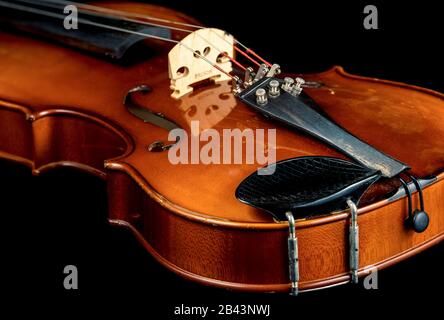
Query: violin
{"x": 230, "y": 171}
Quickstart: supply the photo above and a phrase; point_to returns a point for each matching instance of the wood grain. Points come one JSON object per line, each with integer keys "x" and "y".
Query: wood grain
{"x": 63, "y": 107}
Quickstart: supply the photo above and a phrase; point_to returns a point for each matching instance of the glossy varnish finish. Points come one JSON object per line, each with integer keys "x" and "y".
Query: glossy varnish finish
{"x": 62, "y": 107}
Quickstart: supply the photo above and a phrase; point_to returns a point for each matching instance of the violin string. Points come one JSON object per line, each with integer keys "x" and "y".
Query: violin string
{"x": 80, "y": 20}
{"x": 120, "y": 13}
{"x": 59, "y": 5}
{"x": 56, "y": 5}
{"x": 247, "y": 56}
{"x": 101, "y": 25}
{"x": 249, "y": 51}
{"x": 125, "y": 13}
{"x": 242, "y": 52}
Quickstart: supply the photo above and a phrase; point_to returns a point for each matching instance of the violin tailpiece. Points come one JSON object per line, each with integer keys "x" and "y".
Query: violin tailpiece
{"x": 298, "y": 111}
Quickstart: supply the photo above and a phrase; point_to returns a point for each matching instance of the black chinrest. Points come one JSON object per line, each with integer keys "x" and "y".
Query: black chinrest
{"x": 307, "y": 186}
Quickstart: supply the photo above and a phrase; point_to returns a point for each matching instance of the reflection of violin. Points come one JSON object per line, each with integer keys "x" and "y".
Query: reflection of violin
{"x": 61, "y": 104}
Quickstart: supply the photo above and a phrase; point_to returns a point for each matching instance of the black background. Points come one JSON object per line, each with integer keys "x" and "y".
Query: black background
{"x": 59, "y": 218}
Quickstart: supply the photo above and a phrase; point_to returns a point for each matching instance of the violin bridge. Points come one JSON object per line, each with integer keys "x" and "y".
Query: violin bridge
{"x": 201, "y": 55}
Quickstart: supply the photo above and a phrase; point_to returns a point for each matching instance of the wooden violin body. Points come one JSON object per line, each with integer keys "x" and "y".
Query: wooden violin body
{"x": 62, "y": 107}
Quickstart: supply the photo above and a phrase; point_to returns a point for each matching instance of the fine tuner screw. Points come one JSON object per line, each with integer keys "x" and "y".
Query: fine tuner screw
{"x": 274, "y": 89}
{"x": 299, "y": 81}
{"x": 261, "y": 97}
{"x": 288, "y": 84}
{"x": 297, "y": 88}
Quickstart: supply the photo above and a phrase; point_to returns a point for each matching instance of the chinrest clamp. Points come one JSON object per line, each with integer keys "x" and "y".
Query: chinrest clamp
{"x": 293, "y": 256}
{"x": 307, "y": 186}
{"x": 353, "y": 241}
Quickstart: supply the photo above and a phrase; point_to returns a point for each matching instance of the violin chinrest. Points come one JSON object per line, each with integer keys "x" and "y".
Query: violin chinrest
{"x": 307, "y": 186}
